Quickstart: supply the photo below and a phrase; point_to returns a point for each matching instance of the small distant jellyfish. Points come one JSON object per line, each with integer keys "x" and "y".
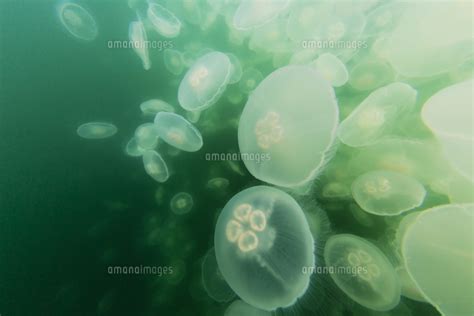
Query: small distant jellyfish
{"x": 181, "y": 203}
{"x": 362, "y": 271}
{"x": 291, "y": 119}
{"x": 205, "y": 81}
{"x": 155, "y": 166}
{"x": 173, "y": 61}
{"x": 96, "y": 130}
{"x": 153, "y": 106}
{"x": 263, "y": 243}
{"x": 146, "y": 136}
{"x": 213, "y": 281}
{"x": 387, "y": 193}
{"x": 379, "y": 112}
{"x": 240, "y": 308}
{"x": 133, "y": 149}
{"x": 163, "y": 20}
{"x": 77, "y": 21}
{"x": 384, "y": 19}
{"x": 236, "y": 72}
{"x": 332, "y": 69}
{"x": 369, "y": 75}
{"x": 139, "y": 39}
{"x": 217, "y": 183}
{"x": 250, "y": 79}
{"x": 252, "y": 14}
{"x": 176, "y": 131}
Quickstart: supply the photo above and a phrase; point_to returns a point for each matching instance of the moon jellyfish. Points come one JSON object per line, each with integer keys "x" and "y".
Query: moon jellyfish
{"x": 137, "y": 35}
{"x": 408, "y": 286}
{"x": 181, "y": 203}
{"x": 449, "y": 114}
{"x": 153, "y": 106}
{"x": 205, "y": 81}
{"x": 250, "y": 79}
{"x": 173, "y": 61}
{"x": 252, "y": 14}
{"x": 77, "y": 21}
{"x": 441, "y": 238}
{"x": 176, "y": 131}
{"x": 146, "y": 136}
{"x": 96, "y": 130}
{"x": 239, "y": 308}
{"x": 332, "y": 69}
{"x": 262, "y": 243}
{"x": 155, "y": 166}
{"x": 384, "y": 19}
{"x": 163, "y": 20}
{"x": 292, "y": 118}
{"x": 376, "y": 114}
{"x": 213, "y": 281}
{"x": 370, "y": 74}
{"x": 236, "y": 72}
{"x": 305, "y": 19}
{"x": 362, "y": 271}
{"x": 133, "y": 149}
{"x": 387, "y": 193}
{"x": 217, "y": 184}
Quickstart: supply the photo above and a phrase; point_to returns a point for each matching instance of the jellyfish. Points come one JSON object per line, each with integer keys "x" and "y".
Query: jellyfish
{"x": 139, "y": 39}
{"x": 213, "y": 281}
{"x": 236, "y": 72}
{"x": 217, "y": 183}
{"x": 205, "y": 81}
{"x": 163, "y": 20}
{"x": 133, "y": 148}
{"x": 332, "y": 69}
{"x": 263, "y": 242}
{"x": 441, "y": 238}
{"x": 153, "y": 106}
{"x": 384, "y": 19}
{"x": 146, "y": 136}
{"x": 387, "y": 193}
{"x": 362, "y": 271}
{"x": 270, "y": 38}
{"x": 291, "y": 118}
{"x": 193, "y": 117}
{"x": 181, "y": 203}
{"x": 96, "y": 130}
{"x": 155, "y": 166}
{"x": 173, "y": 61}
{"x": 252, "y": 14}
{"x": 239, "y": 308}
{"x": 305, "y": 19}
{"x": 77, "y": 21}
{"x": 379, "y": 112}
{"x": 178, "y": 132}
{"x": 250, "y": 79}
{"x": 370, "y": 74}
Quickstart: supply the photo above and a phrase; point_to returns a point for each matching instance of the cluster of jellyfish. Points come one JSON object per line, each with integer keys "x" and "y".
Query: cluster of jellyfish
{"x": 376, "y": 134}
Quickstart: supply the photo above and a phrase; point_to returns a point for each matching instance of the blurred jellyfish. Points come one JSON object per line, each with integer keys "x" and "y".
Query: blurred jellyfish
{"x": 178, "y": 132}
{"x": 173, "y": 61}
{"x": 193, "y": 117}
{"x": 205, "y": 81}
{"x": 155, "y": 166}
{"x": 96, "y": 130}
{"x": 251, "y": 14}
{"x": 133, "y": 148}
{"x": 213, "y": 281}
{"x": 362, "y": 271}
{"x": 217, "y": 184}
{"x": 153, "y": 106}
{"x": 250, "y": 79}
{"x": 240, "y": 308}
{"x": 181, "y": 203}
{"x": 384, "y": 19}
{"x": 139, "y": 39}
{"x": 236, "y": 72}
{"x": 270, "y": 38}
{"x": 163, "y": 20}
{"x": 263, "y": 242}
{"x": 146, "y": 136}
{"x": 290, "y": 120}
{"x": 441, "y": 238}
{"x": 77, "y": 21}
{"x": 387, "y": 193}
{"x": 378, "y": 113}
{"x": 370, "y": 74}
{"x": 332, "y": 69}
{"x": 305, "y": 19}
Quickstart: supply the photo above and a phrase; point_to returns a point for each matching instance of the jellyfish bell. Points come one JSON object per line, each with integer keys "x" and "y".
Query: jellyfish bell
{"x": 133, "y": 149}
{"x": 138, "y": 37}
{"x": 292, "y": 118}
{"x": 178, "y": 132}
{"x": 236, "y": 73}
{"x": 77, "y": 21}
{"x": 332, "y": 68}
{"x": 96, "y": 130}
{"x": 239, "y": 308}
{"x": 252, "y": 14}
{"x": 250, "y": 79}
{"x": 173, "y": 61}
{"x": 213, "y": 281}
{"x": 181, "y": 203}
{"x": 155, "y": 166}
{"x": 153, "y": 106}
{"x": 163, "y": 20}
{"x": 262, "y": 243}
{"x": 146, "y": 136}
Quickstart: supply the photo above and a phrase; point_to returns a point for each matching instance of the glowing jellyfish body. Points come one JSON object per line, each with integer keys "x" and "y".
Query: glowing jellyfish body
{"x": 133, "y": 149}
{"x": 96, "y": 130}
{"x": 217, "y": 184}
{"x": 362, "y": 271}
{"x": 181, "y": 203}
{"x": 449, "y": 114}
{"x": 370, "y": 74}
{"x": 146, "y": 136}
{"x": 153, "y": 106}
{"x": 213, "y": 281}
{"x": 205, "y": 81}
{"x": 137, "y": 34}
{"x": 291, "y": 117}
{"x": 251, "y": 14}
{"x": 236, "y": 72}
{"x": 173, "y": 61}
{"x": 262, "y": 242}
{"x": 387, "y": 193}
{"x": 176, "y": 131}
{"x": 441, "y": 238}
{"x": 240, "y": 308}
{"x": 163, "y": 20}
{"x": 332, "y": 69}
{"x": 376, "y": 114}
{"x": 78, "y": 21}
{"x": 155, "y": 166}
{"x": 250, "y": 79}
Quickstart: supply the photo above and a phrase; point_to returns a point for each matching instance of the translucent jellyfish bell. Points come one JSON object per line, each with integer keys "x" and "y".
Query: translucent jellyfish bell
{"x": 133, "y": 149}
{"x": 146, "y": 136}
{"x": 250, "y": 79}
{"x": 173, "y": 61}
{"x": 137, "y": 35}
{"x": 332, "y": 69}
{"x": 178, "y": 132}
{"x": 376, "y": 114}
{"x": 262, "y": 243}
{"x": 163, "y": 20}
{"x": 362, "y": 271}
{"x": 153, "y": 106}
{"x": 441, "y": 238}
{"x": 291, "y": 119}
{"x": 77, "y": 21}
{"x": 370, "y": 74}
{"x": 236, "y": 72}
{"x": 205, "y": 81}
{"x": 217, "y": 183}
{"x": 155, "y": 166}
{"x": 387, "y": 193}
{"x": 251, "y": 14}
{"x": 240, "y": 308}
{"x": 96, "y": 130}
{"x": 213, "y": 281}
{"x": 181, "y": 203}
